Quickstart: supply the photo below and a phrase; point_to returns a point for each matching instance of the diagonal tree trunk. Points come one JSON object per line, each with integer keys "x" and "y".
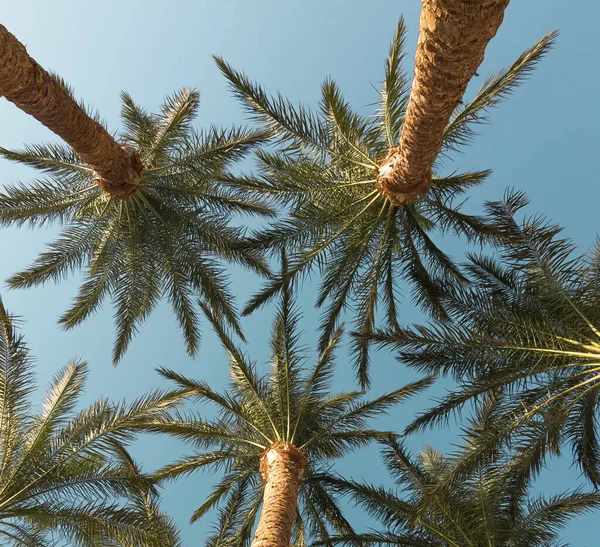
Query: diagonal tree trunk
{"x": 453, "y": 35}
{"x": 282, "y": 467}
{"x": 25, "y": 83}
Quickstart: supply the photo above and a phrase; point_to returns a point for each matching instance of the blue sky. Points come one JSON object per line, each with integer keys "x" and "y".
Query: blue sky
{"x": 543, "y": 140}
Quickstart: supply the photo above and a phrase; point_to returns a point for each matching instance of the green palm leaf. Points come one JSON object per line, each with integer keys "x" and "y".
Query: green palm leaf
{"x": 435, "y": 504}
{"x": 525, "y": 331}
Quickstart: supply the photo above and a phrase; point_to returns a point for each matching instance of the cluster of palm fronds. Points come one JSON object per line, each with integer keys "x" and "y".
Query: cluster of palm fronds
{"x": 290, "y": 405}
{"x": 162, "y": 241}
{"x": 518, "y": 332}
{"x": 66, "y": 474}
{"x": 526, "y": 332}
{"x": 338, "y": 222}
{"x": 435, "y": 507}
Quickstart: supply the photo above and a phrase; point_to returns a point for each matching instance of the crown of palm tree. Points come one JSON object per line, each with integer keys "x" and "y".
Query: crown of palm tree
{"x": 291, "y": 406}
{"x": 339, "y": 222}
{"x": 166, "y": 239}
{"x": 527, "y": 331}
{"x": 433, "y": 507}
{"x": 65, "y": 475}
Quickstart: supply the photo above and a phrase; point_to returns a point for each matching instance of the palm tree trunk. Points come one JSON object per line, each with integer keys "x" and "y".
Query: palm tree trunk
{"x": 453, "y": 35}
{"x": 282, "y": 467}
{"x": 25, "y": 83}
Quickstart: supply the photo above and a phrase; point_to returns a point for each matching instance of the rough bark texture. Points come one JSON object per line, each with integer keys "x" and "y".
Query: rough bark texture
{"x": 282, "y": 467}
{"x": 25, "y": 83}
{"x": 453, "y": 35}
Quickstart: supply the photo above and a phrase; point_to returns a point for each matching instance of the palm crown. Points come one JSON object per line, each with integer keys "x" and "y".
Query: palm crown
{"x": 167, "y": 239}
{"x": 291, "y": 406}
{"x": 65, "y": 475}
{"x": 339, "y": 222}
{"x": 526, "y": 331}
{"x": 433, "y": 508}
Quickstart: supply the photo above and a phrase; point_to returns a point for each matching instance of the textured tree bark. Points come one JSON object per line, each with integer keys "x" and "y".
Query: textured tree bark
{"x": 282, "y": 467}
{"x": 453, "y": 35}
{"x": 117, "y": 169}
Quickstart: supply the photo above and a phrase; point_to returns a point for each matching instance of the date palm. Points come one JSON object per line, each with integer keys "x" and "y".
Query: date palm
{"x": 431, "y": 507}
{"x": 165, "y": 240}
{"x": 525, "y": 330}
{"x": 274, "y": 438}
{"x": 339, "y": 222}
{"x": 65, "y": 475}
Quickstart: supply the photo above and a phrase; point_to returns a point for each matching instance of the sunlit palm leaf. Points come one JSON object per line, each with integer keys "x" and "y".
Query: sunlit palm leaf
{"x": 65, "y": 475}
{"x": 525, "y": 330}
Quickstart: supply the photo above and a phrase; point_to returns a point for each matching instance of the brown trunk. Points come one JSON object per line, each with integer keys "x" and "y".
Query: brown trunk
{"x": 282, "y": 467}
{"x": 453, "y": 35}
{"x": 25, "y": 83}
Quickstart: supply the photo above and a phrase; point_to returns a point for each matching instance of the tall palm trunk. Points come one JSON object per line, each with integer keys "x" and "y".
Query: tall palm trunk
{"x": 26, "y": 84}
{"x": 282, "y": 467}
{"x": 453, "y": 35}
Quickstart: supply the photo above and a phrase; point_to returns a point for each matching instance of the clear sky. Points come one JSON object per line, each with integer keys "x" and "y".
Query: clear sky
{"x": 543, "y": 140}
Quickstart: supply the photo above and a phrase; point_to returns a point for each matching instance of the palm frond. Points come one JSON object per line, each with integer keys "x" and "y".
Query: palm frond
{"x": 495, "y": 89}
{"x": 66, "y": 476}
{"x": 524, "y": 331}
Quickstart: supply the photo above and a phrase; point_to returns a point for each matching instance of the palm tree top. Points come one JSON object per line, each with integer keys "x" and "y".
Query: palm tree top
{"x": 324, "y": 173}
{"x": 166, "y": 241}
{"x": 292, "y": 410}
{"x": 525, "y": 329}
{"x": 432, "y": 506}
{"x": 65, "y": 474}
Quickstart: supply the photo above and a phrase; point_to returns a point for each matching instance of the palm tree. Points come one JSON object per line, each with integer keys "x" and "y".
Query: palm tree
{"x": 340, "y": 223}
{"x": 453, "y": 35}
{"x": 274, "y": 438}
{"x": 433, "y": 508}
{"x": 526, "y": 331}
{"x": 116, "y": 168}
{"x": 165, "y": 239}
{"x": 65, "y": 475}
